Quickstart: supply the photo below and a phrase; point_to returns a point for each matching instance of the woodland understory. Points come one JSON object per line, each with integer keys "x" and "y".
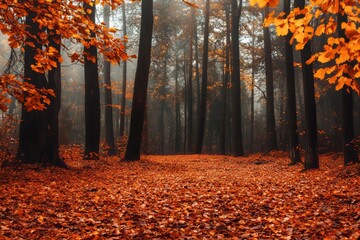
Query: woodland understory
{"x": 181, "y": 197}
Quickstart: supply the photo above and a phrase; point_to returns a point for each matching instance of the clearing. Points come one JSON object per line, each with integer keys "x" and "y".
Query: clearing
{"x": 181, "y": 196}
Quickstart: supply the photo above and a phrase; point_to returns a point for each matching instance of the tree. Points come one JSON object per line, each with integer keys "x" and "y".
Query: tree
{"x": 123, "y": 97}
{"x": 311, "y": 155}
{"x": 141, "y": 81}
{"x": 92, "y": 94}
{"x": 349, "y": 145}
{"x": 33, "y": 126}
{"x": 109, "y": 129}
{"x": 190, "y": 84}
{"x": 235, "y": 80}
{"x": 270, "y": 114}
{"x": 202, "y": 110}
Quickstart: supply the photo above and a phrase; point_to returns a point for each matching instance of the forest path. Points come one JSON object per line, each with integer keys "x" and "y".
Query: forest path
{"x": 182, "y": 196}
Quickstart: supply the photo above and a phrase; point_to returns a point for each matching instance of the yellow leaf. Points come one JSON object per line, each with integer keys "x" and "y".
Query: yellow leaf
{"x": 320, "y": 30}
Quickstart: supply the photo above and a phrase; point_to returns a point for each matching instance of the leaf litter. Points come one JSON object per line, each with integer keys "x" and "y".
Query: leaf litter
{"x": 181, "y": 197}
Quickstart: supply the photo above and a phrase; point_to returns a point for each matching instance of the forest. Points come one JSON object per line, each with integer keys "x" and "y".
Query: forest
{"x": 179, "y": 119}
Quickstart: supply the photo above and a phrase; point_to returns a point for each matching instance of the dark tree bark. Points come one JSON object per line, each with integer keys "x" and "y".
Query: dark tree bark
{"x": 349, "y": 144}
{"x": 141, "y": 82}
{"x": 235, "y": 80}
{"x": 109, "y": 128}
{"x": 226, "y": 78}
{"x": 92, "y": 97}
{"x": 124, "y": 77}
{"x": 311, "y": 155}
{"x": 270, "y": 114}
{"x": 190, "y": 85}
{"x": 54, "y": 108}
{"x": 291, "y": 100}
{"x": 38, "y": 142}
{"x": 33, "y": 126}
{"x": 177, "y": 111}
{"x": 202, "y": 112}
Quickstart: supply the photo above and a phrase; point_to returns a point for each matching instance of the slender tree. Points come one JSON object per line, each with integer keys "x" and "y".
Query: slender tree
{"x": 202, "y": 112}
{"x": 291, "y": 100}
{"x": 235, "y": 80}
{"x": 124, "y": 78}
{"x": 311, "y": 155}
{"x": 347, "y": 123}
{"x": 270, "y": 114}
{"x": 109, "y": 129}
{"x": 190, "y": 84}
{"x": 141, "y": 81}
{"x": 226, "y": 78}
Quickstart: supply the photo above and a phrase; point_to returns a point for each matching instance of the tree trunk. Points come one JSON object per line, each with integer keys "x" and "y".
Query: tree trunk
{"x": 347, "y": 123}
{"x": 141, "y": 82}
{"x": 92, "y": 97}
{"x": 34, "y": 124}
{"x": 124, "y": 77}
{"x": 177, "y": 112}
{"x": 291, "y": 100}
{"x": 226, "y": 77}
{"x": 109, "y": 129}
{"x": 270, "y": 115}
{"x": 190, "y": 85}
{"x": 202, "y": 112}
{"x": 235, "y": 80}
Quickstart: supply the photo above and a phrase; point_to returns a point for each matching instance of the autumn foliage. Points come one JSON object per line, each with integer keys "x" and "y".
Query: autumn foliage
{"x": 181, "y": 197}
{"x": 65, "y": 19}
{"x": 340, "y": 58}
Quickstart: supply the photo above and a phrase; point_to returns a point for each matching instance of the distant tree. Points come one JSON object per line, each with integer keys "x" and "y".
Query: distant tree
{"x": 190, "y": 84}
{"x": 109, "y": 129}
{"x": 202, "y": 110}
{"x": 124, "y": 77}
{"x": 141, "y": 81}
{"x": 92, "y": 93}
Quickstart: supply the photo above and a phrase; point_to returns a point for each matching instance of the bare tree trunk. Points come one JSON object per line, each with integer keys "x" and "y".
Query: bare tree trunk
{"x": 235, "y": 80}
{"x": 190, "y": 85}
{"x": 270, "y": 114}
{"x": 123, "y": 97}
{"x": 92, "y": 97}
{"x": 202, "y": 117}
{"x": 109, "y": 129}
{"x": 141, "y": 81}
{"x": 291, "y": 100}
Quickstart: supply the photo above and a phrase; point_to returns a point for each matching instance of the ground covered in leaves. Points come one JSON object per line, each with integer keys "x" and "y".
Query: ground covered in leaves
{"x": 181, "y": 197}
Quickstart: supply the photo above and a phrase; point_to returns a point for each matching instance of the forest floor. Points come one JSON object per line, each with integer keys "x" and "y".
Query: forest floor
{"x": 181, "y": 197}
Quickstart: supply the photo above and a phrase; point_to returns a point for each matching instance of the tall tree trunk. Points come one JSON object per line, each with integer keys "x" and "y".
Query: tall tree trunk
{"x": 347, "y": 123}
{"x": 124, "y": 77}
{"x": 202, "y": 112}
{"x": 291, "y": 100}
{"x": 52, "y": 148}
{"x": 270, "y": 114}
{"x": 235, "y": 80}
{"x": 141, "y": 82}
{"x": 92, "y": 96}
{"x": 252, "y": 107}
{"x": 226, "y": 78}
{"x": 109, "y": 129}
{"x": 177, "y": 111}
{"x": 33, "y": 126}
{"x": 190, "y": 85}
{"x": 197, "y": 71}
{"x": 311, "y": 155}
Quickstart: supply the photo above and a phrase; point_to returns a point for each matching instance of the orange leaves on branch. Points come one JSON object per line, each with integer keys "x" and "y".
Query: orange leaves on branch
{"x": 340, "y": 56}
{"x": 264, "y": 3}
{"x": 36, "y": 99}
